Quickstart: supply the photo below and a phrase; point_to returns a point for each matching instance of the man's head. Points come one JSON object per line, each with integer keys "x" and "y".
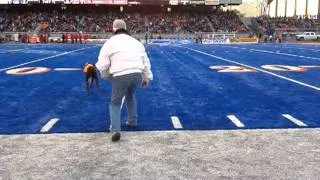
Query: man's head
{"x": 119, "y": 24}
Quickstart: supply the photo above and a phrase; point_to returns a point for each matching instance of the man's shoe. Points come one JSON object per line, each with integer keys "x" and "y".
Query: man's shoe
{"x": 130, "y": 124}
{"x": 115, "y": 136}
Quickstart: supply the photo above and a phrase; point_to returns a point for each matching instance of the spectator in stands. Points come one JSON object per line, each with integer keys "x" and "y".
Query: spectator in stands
{"x": 63, "y": 38}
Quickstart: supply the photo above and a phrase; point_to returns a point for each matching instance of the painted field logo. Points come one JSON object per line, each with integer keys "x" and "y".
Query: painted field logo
{"x": 242, "y": 69}
{"x": 284, "y": 68}
{"x": 28, "y": 71}
{"x": 37, "y": 70}
{"x": 232, "y": 69}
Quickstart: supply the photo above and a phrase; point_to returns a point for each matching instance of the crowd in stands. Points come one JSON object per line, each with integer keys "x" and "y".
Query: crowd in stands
{"x": 227, "y": 21}
{"x": 178, "y": 23}
{"x": 287, "y": 23}
{"x": 169, "y": 22}
{"x": 155, "y": 22}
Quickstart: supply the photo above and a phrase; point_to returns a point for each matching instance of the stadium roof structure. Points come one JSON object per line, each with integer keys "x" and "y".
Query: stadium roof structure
{"x": 128, "y": 2}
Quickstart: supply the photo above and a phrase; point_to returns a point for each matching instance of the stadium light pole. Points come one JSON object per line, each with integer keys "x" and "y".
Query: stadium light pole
{"x": 262, "y": 4}
{"x": 295, "y": 8}
{"x": 306, "y": 13}
{"x": 285, "y": 8}
{"x": 318, "y": 10}
{"x": 276, "y": 14}
{"x": 262, "y": 8}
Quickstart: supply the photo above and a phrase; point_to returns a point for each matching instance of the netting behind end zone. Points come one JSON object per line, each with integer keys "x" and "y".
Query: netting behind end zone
{"x": 217, "y": 38}
{"x": 160, "y": 42}
{"x": 226, "y": 38}
{"x": 167, "y": 42}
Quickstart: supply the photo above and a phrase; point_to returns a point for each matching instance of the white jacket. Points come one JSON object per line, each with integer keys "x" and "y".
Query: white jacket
{"x": 122, "y": 54}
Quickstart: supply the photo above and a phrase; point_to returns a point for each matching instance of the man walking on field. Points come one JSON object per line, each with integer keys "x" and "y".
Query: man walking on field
{"x": 124, "y": 61}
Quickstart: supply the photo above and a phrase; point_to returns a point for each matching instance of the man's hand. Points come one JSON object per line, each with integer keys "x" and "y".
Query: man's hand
{"x": 145, "y": 83}
{"x": 104, "y": 74}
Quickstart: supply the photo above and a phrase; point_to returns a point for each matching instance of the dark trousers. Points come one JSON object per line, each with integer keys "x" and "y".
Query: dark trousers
{"x": 123, "y": 87}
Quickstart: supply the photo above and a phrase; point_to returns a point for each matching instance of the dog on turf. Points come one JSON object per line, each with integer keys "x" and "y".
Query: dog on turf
{"x": 91, "y": 75}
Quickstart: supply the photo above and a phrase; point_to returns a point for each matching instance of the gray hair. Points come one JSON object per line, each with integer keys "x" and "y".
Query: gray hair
{"x": 119, "y": 24}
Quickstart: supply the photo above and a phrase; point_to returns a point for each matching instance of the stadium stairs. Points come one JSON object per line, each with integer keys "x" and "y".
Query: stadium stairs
{"x": 246, "y": 21}
{"x": 210, "y": 23}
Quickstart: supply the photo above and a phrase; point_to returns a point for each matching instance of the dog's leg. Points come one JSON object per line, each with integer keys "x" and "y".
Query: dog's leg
{"x": 97, "y": 82}
{"x": 87, "y": 83}
{"x": 90, "y": 79}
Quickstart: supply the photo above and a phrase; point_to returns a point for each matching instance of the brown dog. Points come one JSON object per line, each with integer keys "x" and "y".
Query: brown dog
{"x": 91, "y": 75}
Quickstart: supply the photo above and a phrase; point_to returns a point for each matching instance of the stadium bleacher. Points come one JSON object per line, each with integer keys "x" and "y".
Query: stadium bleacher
{"x": 99, "y": 20}
{"x": 74, "y": 17}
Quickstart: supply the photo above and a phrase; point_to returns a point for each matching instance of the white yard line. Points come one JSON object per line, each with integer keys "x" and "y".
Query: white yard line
{"x": 236, "y": 121}
{"x": 42, "y": 59}
{"x": 285, "y": 54}
{"x": 176, "y": 122}
{"x": 67, "y": 69}
{"x": 281, "y": 53}
{"x": 122, "y": 102}
{"x": 49, "y": 125}
{"x": 258, "y": 69}
{"x": 295, "y": 47}
{"x": 294, "y": 120}
{"x": 13, "y": 50}
{"x": 277, "y": 53}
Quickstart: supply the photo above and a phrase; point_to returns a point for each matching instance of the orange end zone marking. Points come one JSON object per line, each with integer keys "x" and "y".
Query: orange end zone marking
{"x": 28, "y": 71}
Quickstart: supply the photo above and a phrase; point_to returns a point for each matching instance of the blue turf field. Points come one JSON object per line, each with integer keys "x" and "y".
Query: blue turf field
{"x": 183, "y": 86}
